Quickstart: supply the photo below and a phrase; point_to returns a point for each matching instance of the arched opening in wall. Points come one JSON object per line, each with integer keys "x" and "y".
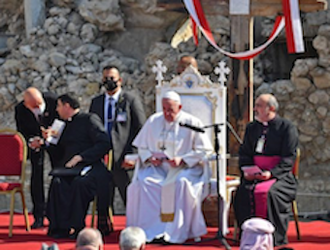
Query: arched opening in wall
{"x": 277, "y": 63}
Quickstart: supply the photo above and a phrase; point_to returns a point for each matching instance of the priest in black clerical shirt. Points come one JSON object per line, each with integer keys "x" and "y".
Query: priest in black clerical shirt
{"x": 270, "y": 143}
{"x": 83, "y": 144}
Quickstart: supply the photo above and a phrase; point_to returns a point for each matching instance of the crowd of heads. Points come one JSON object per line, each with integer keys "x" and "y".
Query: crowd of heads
{"x": 131, "y": 238}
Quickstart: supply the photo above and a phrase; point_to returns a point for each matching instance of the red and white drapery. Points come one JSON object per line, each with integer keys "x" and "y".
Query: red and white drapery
{"x": 293, "y": 28}
{"x": 291, "y": 21}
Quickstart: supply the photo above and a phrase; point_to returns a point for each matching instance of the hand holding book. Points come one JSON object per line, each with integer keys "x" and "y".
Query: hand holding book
{"x": 251, "y": 170}
{"x": 255, "y": 173}
{"x": 53, "y": 134}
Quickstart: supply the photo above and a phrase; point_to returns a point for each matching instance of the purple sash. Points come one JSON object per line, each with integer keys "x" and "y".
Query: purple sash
{"x": 261, "y": 189}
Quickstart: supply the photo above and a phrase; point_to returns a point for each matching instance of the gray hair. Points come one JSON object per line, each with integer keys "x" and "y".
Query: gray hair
{"x": 132, "y": 238}
{"x": 272, "y": 102}
{"x": 89, "y": 237}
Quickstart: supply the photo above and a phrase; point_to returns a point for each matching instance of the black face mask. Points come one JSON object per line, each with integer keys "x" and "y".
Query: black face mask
{"x": 110, "y": 84}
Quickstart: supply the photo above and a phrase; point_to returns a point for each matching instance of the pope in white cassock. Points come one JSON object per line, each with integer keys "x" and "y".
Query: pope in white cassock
{"x": 165, "y": 198}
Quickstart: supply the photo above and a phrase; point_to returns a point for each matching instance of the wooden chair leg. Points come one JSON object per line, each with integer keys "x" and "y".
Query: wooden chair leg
{"x": 110, "y": 215}
{"x": 94, "y": 210}
{"x": 230, "y": 194}
{"x": 235, "y": 236}
{"x": 12, "y": 203}
{"x": 25, "y": 212}
{"x": 295, "y": 215}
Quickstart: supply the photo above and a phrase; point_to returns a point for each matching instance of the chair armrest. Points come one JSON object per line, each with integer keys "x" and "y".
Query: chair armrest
{"x": 232, "y": 181}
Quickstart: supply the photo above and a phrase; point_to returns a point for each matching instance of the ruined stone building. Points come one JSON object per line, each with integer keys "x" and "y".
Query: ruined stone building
{"x": 62, "y": 45}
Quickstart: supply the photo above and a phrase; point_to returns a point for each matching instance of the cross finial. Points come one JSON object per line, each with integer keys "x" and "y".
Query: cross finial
{"x": 159, "y": 68}
{"x": 222, "y": 71}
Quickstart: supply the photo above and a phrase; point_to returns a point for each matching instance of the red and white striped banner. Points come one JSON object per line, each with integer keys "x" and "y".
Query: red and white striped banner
{"x": 293, "y": 27}
{"x": 194, "y": 30}
{"x": 198, "y": 20}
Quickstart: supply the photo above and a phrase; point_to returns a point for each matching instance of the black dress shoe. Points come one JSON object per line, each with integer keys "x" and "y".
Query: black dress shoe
{"x": 38, "y": 223}
{"x": 73, "y": 233}
{"x": 104, "y": 225}
{"x": 105, "y": 232}
{"x": 73, "y": 236}
{"x": 157, "y": 241}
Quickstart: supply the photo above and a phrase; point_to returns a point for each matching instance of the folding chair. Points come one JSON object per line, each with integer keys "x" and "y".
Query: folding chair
{"x": 108, "y": 161}
{"x": 13, "y": 155}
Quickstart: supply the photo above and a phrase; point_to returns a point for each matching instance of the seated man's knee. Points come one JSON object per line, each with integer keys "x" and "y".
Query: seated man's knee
{"x": 79, "y": 182}
{"x": 56, "y": 181}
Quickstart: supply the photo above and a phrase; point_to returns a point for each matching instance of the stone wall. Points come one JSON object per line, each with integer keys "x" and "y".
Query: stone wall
{"x": 304, "y": 99}
{"x": 68, "y": 52}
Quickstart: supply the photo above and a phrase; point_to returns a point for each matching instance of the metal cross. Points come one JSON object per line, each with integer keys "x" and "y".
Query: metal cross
{"x": 222, "y": 71}
{"x": 159, "y": 68}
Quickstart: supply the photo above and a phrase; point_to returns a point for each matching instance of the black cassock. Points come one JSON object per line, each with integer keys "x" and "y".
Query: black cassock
{"x": 269, "y": 199}
{"x": 69, "y": 196}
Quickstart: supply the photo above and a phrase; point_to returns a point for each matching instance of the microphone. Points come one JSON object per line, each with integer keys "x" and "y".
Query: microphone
{"x": 197, "y": 129}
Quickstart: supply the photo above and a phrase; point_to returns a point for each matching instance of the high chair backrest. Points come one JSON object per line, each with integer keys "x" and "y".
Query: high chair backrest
{"x": 205, "y": 100}
{"x": 13, "y": 153}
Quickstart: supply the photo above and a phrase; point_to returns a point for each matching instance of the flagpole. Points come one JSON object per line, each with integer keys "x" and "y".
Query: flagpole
{"x": 251, "y": 76}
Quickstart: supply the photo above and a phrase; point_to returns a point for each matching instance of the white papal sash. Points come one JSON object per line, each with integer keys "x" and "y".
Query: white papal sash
{"x": 168, "y": 195}
{"x": 169, "y": 185}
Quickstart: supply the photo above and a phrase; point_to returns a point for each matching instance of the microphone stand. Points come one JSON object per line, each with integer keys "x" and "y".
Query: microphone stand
{"x": 219, "y": 236}
{"x": 217, "y": 130}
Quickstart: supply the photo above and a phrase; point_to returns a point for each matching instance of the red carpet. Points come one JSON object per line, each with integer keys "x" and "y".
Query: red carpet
{"x": 315, "y": 235}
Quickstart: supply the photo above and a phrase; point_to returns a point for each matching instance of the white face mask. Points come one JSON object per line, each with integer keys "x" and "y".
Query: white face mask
{"x": 40, "y": 110}
{"x": 42, "y": 107}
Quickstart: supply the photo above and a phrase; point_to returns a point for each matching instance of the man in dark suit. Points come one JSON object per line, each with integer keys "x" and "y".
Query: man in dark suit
{"x": 35, "y": 111}
{"x": 123, "y": 115}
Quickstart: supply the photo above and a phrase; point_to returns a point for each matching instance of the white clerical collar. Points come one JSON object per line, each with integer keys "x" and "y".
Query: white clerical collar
{"x": 263, "y": 123}
{"x": 71, "y": 117}
{"x": 169, "y": 125}
{"x": 115, "y": 96}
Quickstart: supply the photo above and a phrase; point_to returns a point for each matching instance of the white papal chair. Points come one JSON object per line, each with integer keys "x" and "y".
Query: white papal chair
{"x": 207, "y": 101}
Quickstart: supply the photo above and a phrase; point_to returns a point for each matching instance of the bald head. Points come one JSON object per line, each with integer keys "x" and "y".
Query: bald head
{"x": 33, "y": 98}
{"x": 270, "y": 100}
{"x": 184, "y": 62}
{"x": 89, "y": 239}
{"x": 265, "y": 107}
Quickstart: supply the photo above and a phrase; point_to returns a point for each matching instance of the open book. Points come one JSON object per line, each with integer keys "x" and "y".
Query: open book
{"x": 252, "y": 170}
{"x": 160, "y": 155}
